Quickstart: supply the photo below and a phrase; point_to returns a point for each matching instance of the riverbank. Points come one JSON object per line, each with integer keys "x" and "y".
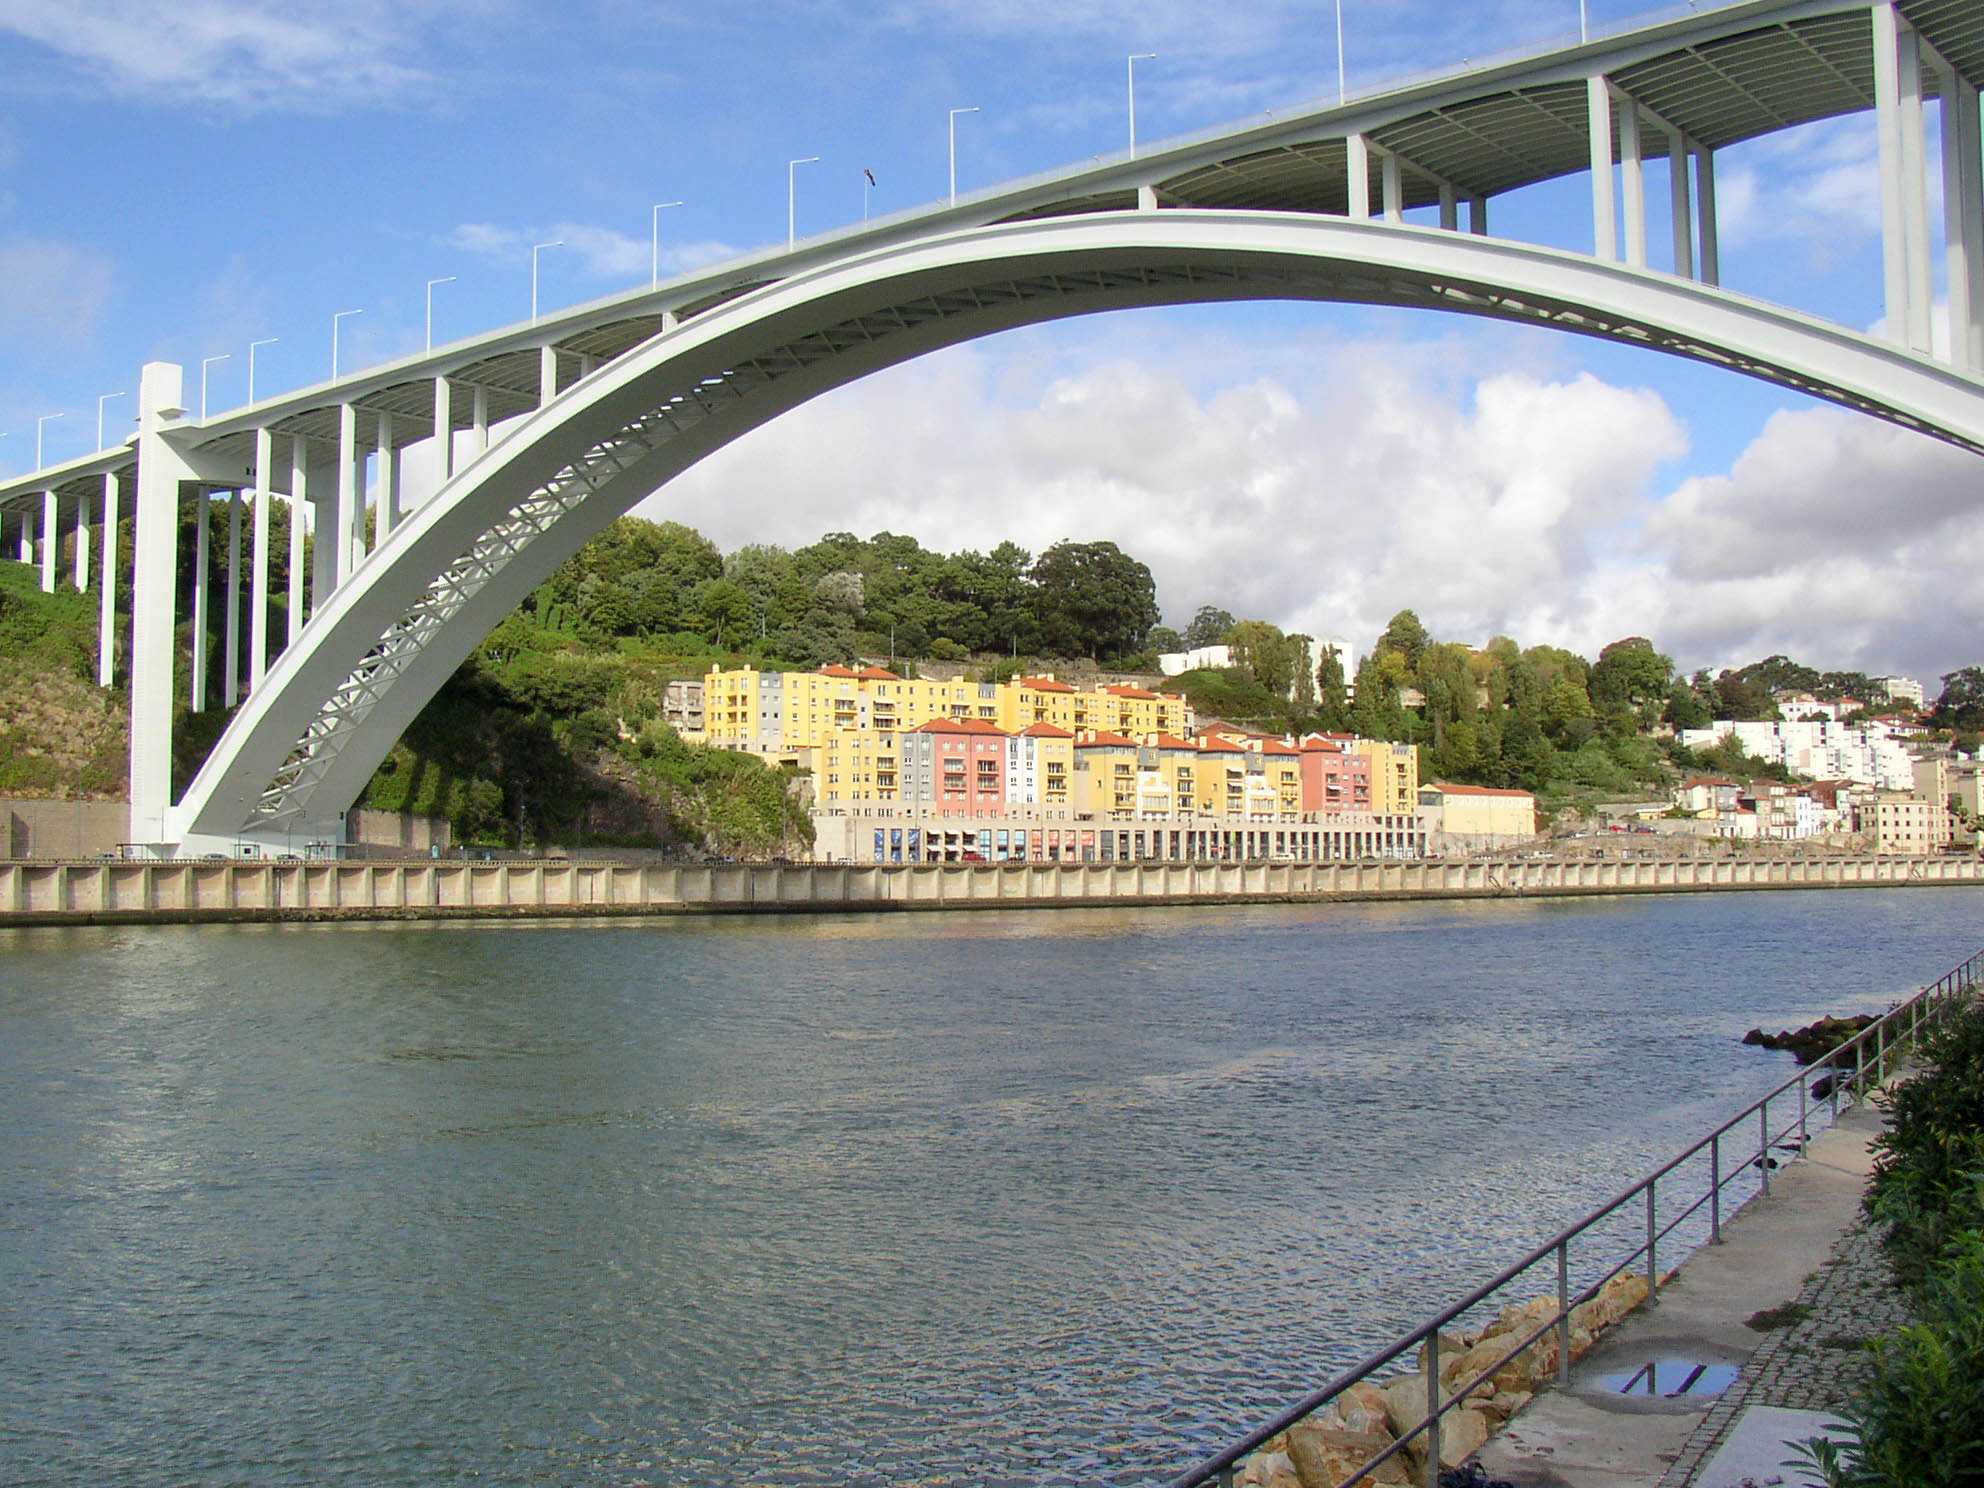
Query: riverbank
{"x": 181, "y": 891}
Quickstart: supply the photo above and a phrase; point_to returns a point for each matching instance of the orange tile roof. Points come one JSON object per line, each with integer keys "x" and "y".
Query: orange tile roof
{"x": 1044, "y": 731}
{"x": 1045, "y": 684}
{"x": 1477, "y": 790}
{"x": 834, "y": 670}
{"x": 959, "y": 726}
{"x": 1102, "y": 738}
{"x": 1275, "y": 746}
{"x": 877, "y": 674}
{"x": 1125, "y": 690}
{"x": 1171, "y": 741}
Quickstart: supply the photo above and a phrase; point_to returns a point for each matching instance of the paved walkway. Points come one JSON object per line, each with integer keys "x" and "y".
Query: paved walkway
{"x": 1801, "y": 1252}
{"x": 1816, "y": 1361}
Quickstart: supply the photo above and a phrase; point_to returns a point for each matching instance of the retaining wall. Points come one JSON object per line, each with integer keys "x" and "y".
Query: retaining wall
{"x": 55, "y": 893}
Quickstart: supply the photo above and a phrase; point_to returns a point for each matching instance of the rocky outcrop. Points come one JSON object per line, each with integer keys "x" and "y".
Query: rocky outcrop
{"x": 1492, "y": 1372}
{"x": 1814, "y": 1041}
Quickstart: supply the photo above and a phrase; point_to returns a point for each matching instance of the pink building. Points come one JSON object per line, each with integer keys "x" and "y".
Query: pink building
{"x": 957, "y": 765}
{"x": 1336, "y": 775}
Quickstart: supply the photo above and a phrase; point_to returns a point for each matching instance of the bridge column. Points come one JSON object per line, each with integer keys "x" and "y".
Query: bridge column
{"x": 82, "y": 555}
{"x": 444, "y": 433}
{"x": 547, "y": 374}
{"x": 1449, "y": 208}
{"x": 1393, "y": 178}
{"x": 1477, "y": 216}
{"x": 480, "y": 419}
{"x": 230, "y": 686}
{"x": 1604, "y": 206}
{"x": 299, "y": 506}
{"x": 106, "y": 623}
{"x": 155, "y": 565}
{"x": 344, "y": 529}
{"x": 1683, "y": 207}
{"x": 1963, "y": 219}
{"x": 50, "y": 533}
{"x": 1904, "y": 198}
{"x": 202, "y": 555}
{"x": 1357, "y": 163}
{"x": 389, "y": 479}
{"x": 1705, "y": 217}
{"x": 1915, "y": 186}
{"x": 258, "y": 563}
{"x": 1632, "y": 182}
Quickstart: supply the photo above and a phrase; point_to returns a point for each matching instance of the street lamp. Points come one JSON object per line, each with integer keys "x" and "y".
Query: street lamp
{"x": 792, "y": 199}
{"x": 1584, "y": 21}
{"x": 1340, "y": 90}
{"x": 535, "y": 249}
{"x": 206, "y": 362}
{"x": 265, "y": 341}
{"x": 954, "y": 150}
{"x": 335, "y": 319}
{"x": 444, "y": 279}
{"x": 656, "y": 240}
{"x": 38, "y": 423}
{"x": 99, "y": 415}
{"x": 1135, "y": 58}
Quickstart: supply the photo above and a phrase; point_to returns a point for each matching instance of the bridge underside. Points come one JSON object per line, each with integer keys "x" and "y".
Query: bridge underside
{"x": 303, "y": 746}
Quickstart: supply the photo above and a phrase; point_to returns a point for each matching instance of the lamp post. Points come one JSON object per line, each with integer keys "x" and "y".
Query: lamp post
{"x": 444, "y": 279}
{"x": 954, "y": 150}
{"x": 38, "y": 424}
{"x": 206, "y": 362}
{"x": 655, "y": 278}
{"x": 1341, "y": 91}
{"x": 1584, "y": 20}
{"x": 335, "y": 320}
{"x": 252, "y": 345}
{"x": 792, "y": 198}
{"x": 1135, "y": 58}
{"x": 535, "y": 249}
{"x": 99, "y": 415}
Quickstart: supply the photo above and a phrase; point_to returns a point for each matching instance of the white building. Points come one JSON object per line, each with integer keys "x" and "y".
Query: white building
{"x": 1171, "y": 663}
{"x": 1901, "y": 689}
{"x": 1868, "y": 753}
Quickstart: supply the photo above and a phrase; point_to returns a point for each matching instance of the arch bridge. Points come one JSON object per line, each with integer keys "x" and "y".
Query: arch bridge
{"x": 534, "y": 437}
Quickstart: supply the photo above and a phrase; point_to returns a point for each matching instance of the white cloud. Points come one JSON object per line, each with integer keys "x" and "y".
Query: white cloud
{"x": 1818, "y": 184}
{"x": 599, "y": 252}
{"x": 251, "y": 55}
{"x": 1326, "y": 506}
{"x": 1326, "y": 499}
{"x": 52, "y": 296}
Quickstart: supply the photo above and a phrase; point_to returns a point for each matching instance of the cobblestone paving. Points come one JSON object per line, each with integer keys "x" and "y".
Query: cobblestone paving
{"x": 1816, "y": 1362}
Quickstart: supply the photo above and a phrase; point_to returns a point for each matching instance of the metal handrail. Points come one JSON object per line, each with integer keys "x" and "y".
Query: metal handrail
{"x": 1889, "y": 1034}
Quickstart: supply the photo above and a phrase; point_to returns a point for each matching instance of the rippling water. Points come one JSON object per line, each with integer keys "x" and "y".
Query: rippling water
{"x": 967, "y": 1199}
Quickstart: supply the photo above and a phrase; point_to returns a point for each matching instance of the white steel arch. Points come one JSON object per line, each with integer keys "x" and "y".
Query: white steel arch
{"x": 303, "y": 745}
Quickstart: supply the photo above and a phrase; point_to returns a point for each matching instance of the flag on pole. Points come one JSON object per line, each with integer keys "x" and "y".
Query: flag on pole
{"x": 869, "y": 174}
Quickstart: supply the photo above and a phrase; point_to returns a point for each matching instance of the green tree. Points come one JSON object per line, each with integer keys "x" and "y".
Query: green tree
{"x": 1405, "y": 635}
{"x": 1630, "y": 679}
{"x": 1208, "y": 628}
{"x": 1961, "y": 704}
{"x": 1332, "y": 692}
{"x": 1095, "y": 599}
{"x": 1263, "y": 652}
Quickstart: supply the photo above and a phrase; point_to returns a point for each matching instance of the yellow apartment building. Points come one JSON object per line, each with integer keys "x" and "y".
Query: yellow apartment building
{"x": 780, "y": 713}
{"x": 1394, "y": 776}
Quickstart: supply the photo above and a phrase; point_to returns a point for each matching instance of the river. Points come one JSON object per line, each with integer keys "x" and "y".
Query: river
{"x": 986, "y": 1198}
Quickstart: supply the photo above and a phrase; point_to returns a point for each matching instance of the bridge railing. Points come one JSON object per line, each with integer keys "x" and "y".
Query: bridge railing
{"x": 1679, "y": 1204}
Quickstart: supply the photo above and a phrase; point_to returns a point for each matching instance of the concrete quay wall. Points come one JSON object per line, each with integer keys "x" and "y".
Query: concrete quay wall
{"x": 182, "y": 891}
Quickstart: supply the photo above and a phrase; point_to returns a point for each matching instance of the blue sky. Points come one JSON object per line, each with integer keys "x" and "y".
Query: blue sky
{"x": 178, "y": 181}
